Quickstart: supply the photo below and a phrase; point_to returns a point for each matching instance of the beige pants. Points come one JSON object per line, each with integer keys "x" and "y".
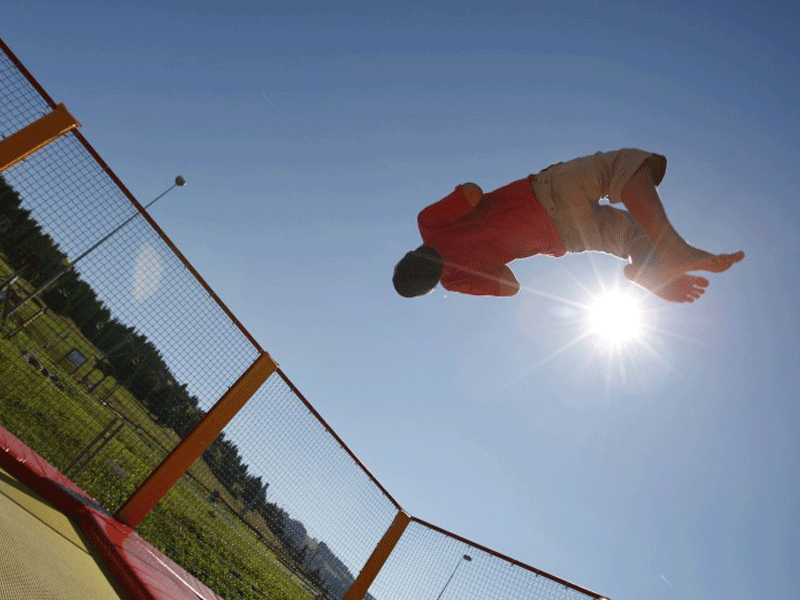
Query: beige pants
{"x": 571, "y": 192}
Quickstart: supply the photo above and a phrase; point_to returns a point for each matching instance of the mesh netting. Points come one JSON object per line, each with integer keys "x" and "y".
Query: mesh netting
{"x": 112, "y": 349}
{"x": 427, "y": 563}
{"x": 303, "y": 502}
{"x": 140, "y": 285}
{"x": 20, "y": 103}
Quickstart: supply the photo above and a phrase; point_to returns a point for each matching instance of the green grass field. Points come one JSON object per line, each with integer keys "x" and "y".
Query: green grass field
{"x": 59, "y": 418}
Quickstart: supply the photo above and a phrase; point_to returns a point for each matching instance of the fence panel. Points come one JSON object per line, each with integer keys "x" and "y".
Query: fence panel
{"x": 299, "y": 493}
{"x": 20, "y": 102}
{"x": 429, "y": 563}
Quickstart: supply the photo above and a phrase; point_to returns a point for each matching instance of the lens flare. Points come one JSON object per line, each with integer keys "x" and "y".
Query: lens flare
{"x": 615, "y": 318}
{"x": 148, "y": 273}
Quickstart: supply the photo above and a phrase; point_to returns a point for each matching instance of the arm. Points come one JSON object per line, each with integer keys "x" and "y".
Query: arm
{"x": 452, "y": 207}
{"x": 499, "y": 283}
{"x": 507, "y": 284}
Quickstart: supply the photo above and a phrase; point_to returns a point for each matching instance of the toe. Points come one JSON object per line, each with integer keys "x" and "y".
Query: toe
{"x": 698, "y": 281}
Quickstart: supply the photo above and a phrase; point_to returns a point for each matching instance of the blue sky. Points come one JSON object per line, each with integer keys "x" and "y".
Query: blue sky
{"x": 312, "y": 136}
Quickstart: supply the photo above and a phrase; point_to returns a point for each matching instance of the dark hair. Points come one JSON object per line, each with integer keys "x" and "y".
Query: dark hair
{"x": 418, "y": 272}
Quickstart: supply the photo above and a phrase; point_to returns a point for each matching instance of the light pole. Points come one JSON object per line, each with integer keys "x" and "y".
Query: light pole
{"x": 466, "y": 558}
{"x": 179, "y": 182}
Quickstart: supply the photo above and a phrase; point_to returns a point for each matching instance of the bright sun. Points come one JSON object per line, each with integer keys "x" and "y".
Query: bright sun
{"x": 615, "y": 317}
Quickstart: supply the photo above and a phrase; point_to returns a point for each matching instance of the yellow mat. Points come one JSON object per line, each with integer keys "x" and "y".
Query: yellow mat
{"x": 43, "y": 555}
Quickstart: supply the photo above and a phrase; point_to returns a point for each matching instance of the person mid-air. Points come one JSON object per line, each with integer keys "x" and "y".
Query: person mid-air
{"x": 470, "y": 237}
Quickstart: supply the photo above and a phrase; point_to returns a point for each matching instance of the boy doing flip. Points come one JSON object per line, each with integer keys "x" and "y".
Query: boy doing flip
{"x": 470, "y": 237}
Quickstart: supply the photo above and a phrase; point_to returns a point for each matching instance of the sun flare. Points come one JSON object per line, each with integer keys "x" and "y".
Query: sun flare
{"x": 616, "y": 318}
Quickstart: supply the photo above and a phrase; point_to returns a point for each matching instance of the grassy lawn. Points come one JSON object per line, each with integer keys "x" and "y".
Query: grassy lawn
{"x": 59, "y": 417}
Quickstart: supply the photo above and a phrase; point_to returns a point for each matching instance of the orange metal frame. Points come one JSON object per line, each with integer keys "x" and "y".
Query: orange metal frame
{"x": 378, "y": 557}
{"x": 21, "y": 144}
{"x": 172, "y": 468}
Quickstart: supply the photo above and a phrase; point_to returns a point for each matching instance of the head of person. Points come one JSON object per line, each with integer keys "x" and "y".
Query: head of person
{"x": 418, "y": 272}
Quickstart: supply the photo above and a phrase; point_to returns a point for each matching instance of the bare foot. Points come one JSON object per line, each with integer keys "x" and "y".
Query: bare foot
{"x": 683, "y": 288}
{"x": 682, "y": 258}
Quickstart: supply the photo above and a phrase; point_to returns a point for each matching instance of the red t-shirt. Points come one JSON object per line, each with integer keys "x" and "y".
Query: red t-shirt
{"x": 476, "y": 244}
